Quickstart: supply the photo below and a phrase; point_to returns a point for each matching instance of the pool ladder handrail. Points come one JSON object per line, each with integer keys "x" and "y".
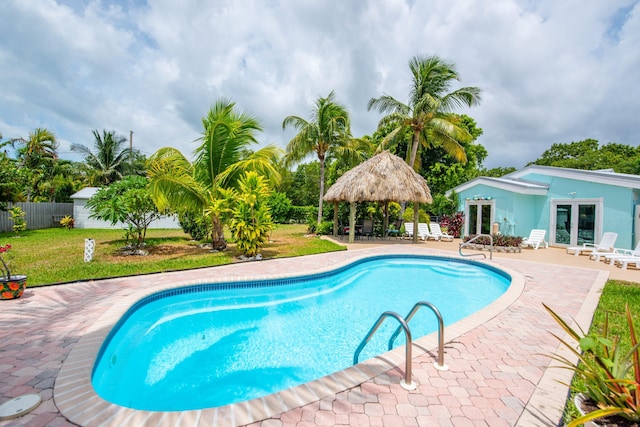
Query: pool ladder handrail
{"x": 467, "y": 243}
{"x": 406, "y": 382}
{"x": 440, "y": 365}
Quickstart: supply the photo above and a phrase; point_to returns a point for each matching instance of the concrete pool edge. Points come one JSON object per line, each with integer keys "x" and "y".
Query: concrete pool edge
{"x": 77, "y": 401}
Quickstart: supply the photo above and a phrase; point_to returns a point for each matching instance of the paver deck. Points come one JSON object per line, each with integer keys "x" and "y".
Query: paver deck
{"x": 499, "y": 369}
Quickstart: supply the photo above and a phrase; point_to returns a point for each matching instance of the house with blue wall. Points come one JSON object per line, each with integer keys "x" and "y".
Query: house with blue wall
{"x": 573, "y": 206}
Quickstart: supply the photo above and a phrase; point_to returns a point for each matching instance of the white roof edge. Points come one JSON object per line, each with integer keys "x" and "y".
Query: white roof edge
{"x": 603, "y": 176}
{"x": 85, "y": 193}
{"x": 505, "y": 184}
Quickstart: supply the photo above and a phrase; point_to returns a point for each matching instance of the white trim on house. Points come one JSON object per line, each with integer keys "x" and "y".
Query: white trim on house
{"x": 601, "y": 176}
{"x": 515, "y": 186}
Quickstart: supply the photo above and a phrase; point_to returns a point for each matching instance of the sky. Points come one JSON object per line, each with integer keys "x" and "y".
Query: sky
{"x": 550, "y": 71}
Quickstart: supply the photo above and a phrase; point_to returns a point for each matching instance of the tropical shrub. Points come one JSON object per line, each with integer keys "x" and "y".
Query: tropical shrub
{"x": 300, "y": 214}
{"x": 324, "y": 228}
{"x": 453, "y": 223}
{"x": 498, "y": 240}
{"x": 17, "y": 216}
{"x": 407, "y": 216}
{"x": 251, "y": 223}
{"x": 610, "y": 374}
{"x": 67, "y": 222}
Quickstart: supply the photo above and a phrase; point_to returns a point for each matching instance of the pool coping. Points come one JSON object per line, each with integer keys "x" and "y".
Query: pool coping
{"x": 79, "y": 403}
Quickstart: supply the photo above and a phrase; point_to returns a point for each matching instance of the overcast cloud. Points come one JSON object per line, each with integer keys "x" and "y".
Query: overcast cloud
{"x": 550, "y": 71}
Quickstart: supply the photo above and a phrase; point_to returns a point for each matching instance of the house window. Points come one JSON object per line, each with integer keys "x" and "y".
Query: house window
{"x": 479, "y": 216}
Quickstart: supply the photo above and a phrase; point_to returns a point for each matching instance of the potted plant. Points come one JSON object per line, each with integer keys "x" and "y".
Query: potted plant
{"x": 12, "y": 285}
{"x": 610, "y": 374}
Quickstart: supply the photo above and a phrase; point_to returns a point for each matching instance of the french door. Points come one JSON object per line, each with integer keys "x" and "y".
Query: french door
{"x": 575, "y": 222}
{"x": 479, "y": 216}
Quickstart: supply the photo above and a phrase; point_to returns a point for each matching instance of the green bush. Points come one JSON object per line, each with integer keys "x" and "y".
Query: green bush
{"x": 325, "y": 228}
{"x": 302, "y": 214}
{"x": 498, "y": 240}
{"x": 280, "y": 207}
{"x": 198, "y": 227}
{"x": 422, "y": 215}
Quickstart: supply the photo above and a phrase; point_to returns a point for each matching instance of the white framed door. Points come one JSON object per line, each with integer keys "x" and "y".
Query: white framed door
{"x": 576, "y": 221}
{"x": 479, "y": 215}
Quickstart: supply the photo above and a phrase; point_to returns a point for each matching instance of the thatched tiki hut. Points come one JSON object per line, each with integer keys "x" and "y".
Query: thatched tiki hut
{"x": 383, "y": 178}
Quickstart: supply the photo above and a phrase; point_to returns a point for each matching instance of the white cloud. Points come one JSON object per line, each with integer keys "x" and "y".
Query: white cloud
{"x": 549, "y": 71}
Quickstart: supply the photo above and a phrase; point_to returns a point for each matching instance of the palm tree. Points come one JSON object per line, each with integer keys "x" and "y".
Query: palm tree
{"x": 326, "y": 129}
{"x": 429, "y": 112}
{"x": 180, "y": 186}
{"x": 40, "y": 146}
{"x": 109, "y": 161}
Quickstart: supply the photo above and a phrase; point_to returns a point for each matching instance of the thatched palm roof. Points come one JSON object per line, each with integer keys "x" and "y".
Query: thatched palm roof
{"x": 384, "y": 177}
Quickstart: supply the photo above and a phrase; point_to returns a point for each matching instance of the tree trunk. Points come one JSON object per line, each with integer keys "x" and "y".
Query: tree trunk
{"x": 414, "y": 149}
{"x": 321, "y": 190}
{"x": 217, "y": 234}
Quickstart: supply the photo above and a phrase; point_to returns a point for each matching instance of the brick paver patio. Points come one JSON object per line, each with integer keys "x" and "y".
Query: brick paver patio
{"x": 498, "y": 369}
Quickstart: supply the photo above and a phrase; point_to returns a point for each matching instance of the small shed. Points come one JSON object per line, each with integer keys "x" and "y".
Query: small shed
{"x": 383, "y": 178}
{"x": 81, "y": 214}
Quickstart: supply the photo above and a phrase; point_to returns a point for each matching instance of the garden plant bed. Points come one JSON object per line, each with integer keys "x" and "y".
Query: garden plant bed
{"x": 480, "y": 247}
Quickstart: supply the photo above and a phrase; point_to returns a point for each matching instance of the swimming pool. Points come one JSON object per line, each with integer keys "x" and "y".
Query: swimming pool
{"x": 194, "y": 346}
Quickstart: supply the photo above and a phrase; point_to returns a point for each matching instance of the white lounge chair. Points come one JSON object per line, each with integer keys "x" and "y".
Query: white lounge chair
{"x": 606, "y": 245}
{"x": 624, "y": 262}
{"x": 535, "y": 239}
{"x": 609, "y": 257}
{"x": 436, "y": 231}
{"x": 422, "y": 233}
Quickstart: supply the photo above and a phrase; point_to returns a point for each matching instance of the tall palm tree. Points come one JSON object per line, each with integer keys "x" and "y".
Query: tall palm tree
{"x": 180, "y": 186}
{"x": 429, "y": 111}
{"x": 326, "y": 129}
{"x": 109, "y": 161}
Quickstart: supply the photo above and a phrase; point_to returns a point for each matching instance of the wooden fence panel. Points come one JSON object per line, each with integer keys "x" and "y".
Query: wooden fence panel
{"x": 38, "y": 215}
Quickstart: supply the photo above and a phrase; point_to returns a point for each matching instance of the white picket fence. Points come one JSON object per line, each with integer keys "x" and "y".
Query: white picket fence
{"x": 38, "y": 215}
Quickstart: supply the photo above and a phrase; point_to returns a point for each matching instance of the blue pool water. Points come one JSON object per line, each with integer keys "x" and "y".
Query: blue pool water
{"x": 212, "y": 345}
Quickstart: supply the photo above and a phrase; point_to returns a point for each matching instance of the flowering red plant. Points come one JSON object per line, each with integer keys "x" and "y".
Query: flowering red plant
{"x": 5, "y": 269}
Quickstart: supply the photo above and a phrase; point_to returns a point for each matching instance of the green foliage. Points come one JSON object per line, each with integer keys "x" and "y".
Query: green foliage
{"x": 422, "y": 215}
{"x": 197, "y": 226}
{"x": 443, "y": 205}
{"x": 453, "y": 223}
{"x": 251, "y": 223}
{"x": 303, "y": 214}
{"x": 67, "y": 222}
{"x": 610, "y": 374}
{"x": 280, "y": 207}
{"x": 588, "y": 155}
{"x": 327, "y": 130}
{"x": 497, "y": 172}
{"x": 127, "y": 201}
{"x": 17, "y": 215}
{"x": 324, "y": 228}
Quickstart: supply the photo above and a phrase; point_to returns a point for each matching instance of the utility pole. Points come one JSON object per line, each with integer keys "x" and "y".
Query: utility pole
{"x": 130, "y": 148}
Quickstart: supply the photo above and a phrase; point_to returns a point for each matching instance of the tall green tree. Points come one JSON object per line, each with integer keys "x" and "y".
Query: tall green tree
{"x": 109, "y": 161}
{"x": 428, "y": 113}
{"x": 589, "y": 155}
{"x": 222, "y": 157}
{"x": 40, "y": 147}
{"x": 327, "y": 128}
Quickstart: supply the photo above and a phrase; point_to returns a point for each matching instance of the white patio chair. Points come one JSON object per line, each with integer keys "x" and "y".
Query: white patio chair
{"x": 617, "y": 253}
{"x": 423, "y": 232}
{"x": 535, "y": 239}
{"x": 437, "y": 232}
{"x": 626, "y": 261}
{"x": 606, "y": 245}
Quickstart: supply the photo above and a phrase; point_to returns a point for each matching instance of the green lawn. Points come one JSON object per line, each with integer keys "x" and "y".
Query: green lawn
{"x": 56, "y": 255}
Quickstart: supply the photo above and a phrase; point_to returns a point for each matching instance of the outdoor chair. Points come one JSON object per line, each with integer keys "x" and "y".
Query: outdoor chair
{"x": 535, "y": 239}
{"x": 367, "y": 228}
{"x": 626, "y": 261}
{"x": 438, "y": 234}
{"x": 617, "y": 253}
{"x": 424, "y": 233}
{"x": 423, "y": 230}
{"x": 394, "y": 230}
{"x": 606, "y": 245}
